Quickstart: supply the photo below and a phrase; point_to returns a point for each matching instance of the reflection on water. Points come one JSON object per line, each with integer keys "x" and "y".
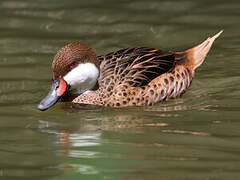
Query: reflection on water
{"x": 193, "y": 137}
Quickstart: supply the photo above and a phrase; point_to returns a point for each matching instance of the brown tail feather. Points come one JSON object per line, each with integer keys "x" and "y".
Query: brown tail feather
{"x": 196, "y": 55}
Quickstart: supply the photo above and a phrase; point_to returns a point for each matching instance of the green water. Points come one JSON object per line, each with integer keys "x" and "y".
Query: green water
{"x": 193, "y": 137}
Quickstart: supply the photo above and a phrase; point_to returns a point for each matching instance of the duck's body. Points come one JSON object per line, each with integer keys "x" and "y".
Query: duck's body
{"x": 138, "y": 77}
{"x": 128, "y": 77}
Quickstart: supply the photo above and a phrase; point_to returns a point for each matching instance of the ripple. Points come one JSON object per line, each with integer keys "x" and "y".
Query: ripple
{"x": 162, "y": 6}
{"x": 84, "y": 169}
{"x": 82, "y": 154}
{"x": 195, "y": 133}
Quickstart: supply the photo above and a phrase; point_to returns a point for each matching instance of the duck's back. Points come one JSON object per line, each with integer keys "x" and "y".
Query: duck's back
{"x": 135, "y": 67}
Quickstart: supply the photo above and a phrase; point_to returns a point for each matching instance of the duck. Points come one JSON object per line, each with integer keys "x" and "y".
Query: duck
{"x": 138, "y": 76}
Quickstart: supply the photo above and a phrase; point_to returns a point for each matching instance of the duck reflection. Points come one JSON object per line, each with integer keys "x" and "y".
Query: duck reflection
{"x": 70, "y": 142}
{"x": 93, "y": 134}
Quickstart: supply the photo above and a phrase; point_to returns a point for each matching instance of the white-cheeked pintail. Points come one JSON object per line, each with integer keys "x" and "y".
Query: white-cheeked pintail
{"x": 128, "y": 77}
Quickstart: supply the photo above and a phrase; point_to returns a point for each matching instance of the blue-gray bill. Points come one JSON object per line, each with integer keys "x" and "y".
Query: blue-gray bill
{"x": 51, "y": 99}
{"x": 57, "y": 90}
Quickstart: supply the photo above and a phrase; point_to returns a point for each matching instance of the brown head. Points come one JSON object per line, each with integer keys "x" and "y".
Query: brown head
{"x": 74, "y": 66}
{"x": 70, "y": 56}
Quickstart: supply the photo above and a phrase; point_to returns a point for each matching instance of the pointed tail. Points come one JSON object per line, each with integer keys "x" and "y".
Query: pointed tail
{"x": 196, "y": 55}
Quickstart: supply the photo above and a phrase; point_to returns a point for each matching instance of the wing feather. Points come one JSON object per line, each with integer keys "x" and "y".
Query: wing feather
{"x": 135, "y": 66}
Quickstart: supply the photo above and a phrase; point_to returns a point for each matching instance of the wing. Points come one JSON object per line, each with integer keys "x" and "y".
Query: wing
{"x": 135, "y": 67}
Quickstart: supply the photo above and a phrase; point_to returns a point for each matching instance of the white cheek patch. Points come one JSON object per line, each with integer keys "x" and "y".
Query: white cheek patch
{"x": 83, "y": 77}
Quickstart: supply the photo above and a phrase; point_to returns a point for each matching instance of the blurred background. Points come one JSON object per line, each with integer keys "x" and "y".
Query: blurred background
{"x": 193, "y": 137}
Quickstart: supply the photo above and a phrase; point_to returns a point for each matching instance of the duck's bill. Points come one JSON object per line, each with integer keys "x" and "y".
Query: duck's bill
{"x": 58, "y": 89}
{"x": 48, "y": 101}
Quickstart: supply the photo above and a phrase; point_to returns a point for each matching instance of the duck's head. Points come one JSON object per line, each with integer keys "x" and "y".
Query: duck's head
{"x": 75, "y": 68}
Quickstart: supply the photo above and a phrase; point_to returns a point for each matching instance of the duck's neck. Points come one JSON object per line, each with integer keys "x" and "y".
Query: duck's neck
{"x": 83, "y": 77}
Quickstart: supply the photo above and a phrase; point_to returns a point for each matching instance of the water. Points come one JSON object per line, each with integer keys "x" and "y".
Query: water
{"x": 193, "y": 137}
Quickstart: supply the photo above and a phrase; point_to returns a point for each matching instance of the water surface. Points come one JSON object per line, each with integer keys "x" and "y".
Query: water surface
{"x": 193, "y": 137}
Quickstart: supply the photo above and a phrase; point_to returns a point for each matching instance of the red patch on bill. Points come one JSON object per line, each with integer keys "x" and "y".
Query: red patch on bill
{"x": 62, "y": 87}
